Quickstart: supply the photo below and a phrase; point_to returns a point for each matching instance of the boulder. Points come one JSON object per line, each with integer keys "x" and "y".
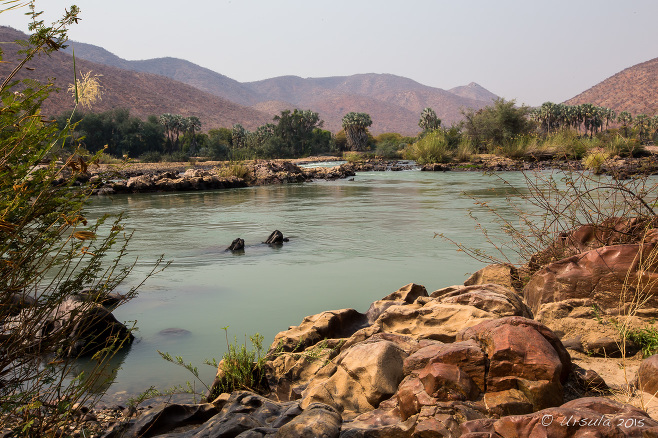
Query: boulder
{"x": 317, "y": 420}
{"x": 359, "y": 379}
{"x": 591, "y": 416}
{"x": 490, "y": 297}
{"x": 523, "y": 355}
{"x": 405, "y": 295}
{"x": 647, "y": 375}
{"x": 334, "y": 324}
{"x": 276, "y": 238}
{"x": 236, "y": 245}
{"x": 466, "y": 354}
{"x": 163, "y": 419}
{"x": 607, "y": 276}
{"x": 503, "y": 274}
{"x": 85, "y": 327}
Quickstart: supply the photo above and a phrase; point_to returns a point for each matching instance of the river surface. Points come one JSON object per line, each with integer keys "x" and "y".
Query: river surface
{"x": 351, "y": 243}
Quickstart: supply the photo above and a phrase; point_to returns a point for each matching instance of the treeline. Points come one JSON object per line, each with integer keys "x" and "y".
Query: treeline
{"x": 502, "y": 128}
{"x": 551, "y": 130}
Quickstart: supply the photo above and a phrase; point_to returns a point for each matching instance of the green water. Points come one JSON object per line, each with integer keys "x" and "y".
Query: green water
{"x": 351, "y": 242}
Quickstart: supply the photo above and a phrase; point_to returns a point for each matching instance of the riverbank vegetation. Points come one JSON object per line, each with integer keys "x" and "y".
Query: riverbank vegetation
{"x": 58, "y": 269}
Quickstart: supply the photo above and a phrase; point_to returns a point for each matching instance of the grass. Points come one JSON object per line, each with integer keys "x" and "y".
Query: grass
{"x": 237, "y": 170}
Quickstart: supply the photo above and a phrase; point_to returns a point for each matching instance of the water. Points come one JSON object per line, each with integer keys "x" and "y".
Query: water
{"x": 351, "y": 243}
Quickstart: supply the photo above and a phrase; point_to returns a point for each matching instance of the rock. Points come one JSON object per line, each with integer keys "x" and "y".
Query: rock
{"x": 236, "y": 245}
{"x": 276, "y": 238}
{"x": 88, "y": 326}
{"x": 317, "y": 420}
{"x": 525, "y": 355}
{"x": 592, "y": 416}
{"x": 359, "y": 379}
{"x": 609, "y": 347}
{"x": 162, "y": 420}
{"x": 647, "y": 375}
{"x": 597, "y": 275}
{"x": 502, "y": 274}
{"x": 508, "y": 402}
{"x": 490, "y": 297}
{"x": 379, "y": 423}
{"x": 174, "y": 331}
{"x": 589, "y": 380}
{"x": 334, "y": 324}
{"x": 405, "y": 295}
{"x": 466, "y": 354}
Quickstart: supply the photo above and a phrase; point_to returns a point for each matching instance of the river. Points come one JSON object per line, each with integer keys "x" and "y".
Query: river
{"x": 351, "y": 242}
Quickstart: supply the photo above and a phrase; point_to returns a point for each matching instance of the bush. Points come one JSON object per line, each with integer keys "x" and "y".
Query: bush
{"x": 49, "y": 256}
{"x": 494, "y": 126}
{"x": 432, "y": 148}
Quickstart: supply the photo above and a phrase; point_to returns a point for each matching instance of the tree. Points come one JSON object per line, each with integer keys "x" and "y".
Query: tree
{"x": 356, "y": 129}
{"x": 625, "y": 118}
{"x": 428, "y": 120}
{"x": 496, "y": 125}
{"x": 296, "y": 130}
{"x": 193, "y": 124}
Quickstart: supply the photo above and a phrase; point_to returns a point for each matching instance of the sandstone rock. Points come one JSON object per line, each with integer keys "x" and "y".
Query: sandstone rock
{"x": 590, "y": 380}
{"x": 379, "y": 423}
{"x": 507, "y": 402}
{"x": 362, "y": 377}
{"x": 467, "y": 355}
{"x": 592, "y": 416}
{"x": 599, "y": 275}
{"x": 502, "y": 274}
{"x": 333, "y": 324}
{"x": 647, "y": 375}
{"x": 405, "y": 295}
{"x": 490, "y": 297}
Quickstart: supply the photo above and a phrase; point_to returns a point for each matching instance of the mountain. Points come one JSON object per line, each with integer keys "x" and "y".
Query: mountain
{"x": 634, "y": 89}
{"x": 474, "y": 91}
{"x": 173, "y": 68}
{"x": 143, "y": 93}
{"x": 393, "y": 102}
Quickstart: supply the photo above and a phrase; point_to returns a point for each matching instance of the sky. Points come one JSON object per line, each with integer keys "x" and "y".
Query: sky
{"x": 527, "y": 50}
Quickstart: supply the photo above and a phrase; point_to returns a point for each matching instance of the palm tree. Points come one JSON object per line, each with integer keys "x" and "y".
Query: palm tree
{"x": 429, "y": 120}
{"x": 356, "y": 129}
{"x": 625, "y": 118}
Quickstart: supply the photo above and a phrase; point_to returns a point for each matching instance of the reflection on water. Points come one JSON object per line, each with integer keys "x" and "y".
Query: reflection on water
{"x": 351, "y": 242}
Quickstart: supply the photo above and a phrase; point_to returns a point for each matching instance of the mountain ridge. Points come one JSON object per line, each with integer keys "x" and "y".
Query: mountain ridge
{"x": 398, "y": 101}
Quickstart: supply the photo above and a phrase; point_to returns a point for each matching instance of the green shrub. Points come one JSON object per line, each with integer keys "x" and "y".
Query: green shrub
{"x": 595, "y": 160}
{"x": 389, "y": 149}
{"x": 646, "y": 338}
{"x": 624, "y": 147}
{"x": 432, "y": 148}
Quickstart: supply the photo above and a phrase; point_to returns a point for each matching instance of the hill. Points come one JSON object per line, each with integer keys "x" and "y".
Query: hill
{"x": 634, "y": 89}
{"x": 143, "y": 93}
{"x": 394, "y": 102}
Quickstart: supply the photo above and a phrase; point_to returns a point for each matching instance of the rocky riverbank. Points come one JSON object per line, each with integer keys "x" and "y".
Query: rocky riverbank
{"x": 530, "y": 352}
{"x": 167, "y": 177}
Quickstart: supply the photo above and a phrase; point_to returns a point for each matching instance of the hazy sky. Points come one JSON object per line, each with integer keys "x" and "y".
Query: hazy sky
{"x": 528, "y": 50}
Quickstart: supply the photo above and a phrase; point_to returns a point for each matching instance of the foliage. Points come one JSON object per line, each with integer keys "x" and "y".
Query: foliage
{"x": 646, "y": 338}
{"x": 594, "y": 161}
{"x": 497, "y": 125}
{"x": 116, "y": 132}
{"x": 356, "y": 130}
{"x": 234, "y": 170}
{"x": 428, "y": 120}
{"x": 49, "y": 254}
{"x": 432, "y": 148}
